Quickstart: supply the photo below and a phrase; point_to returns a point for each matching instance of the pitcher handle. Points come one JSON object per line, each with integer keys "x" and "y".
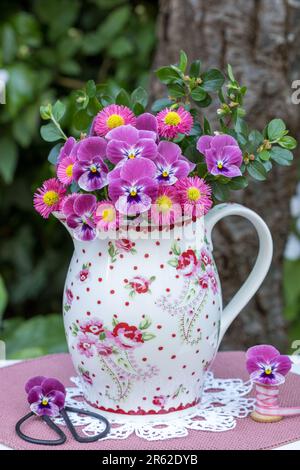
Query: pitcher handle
{"x": 262, "y": 264}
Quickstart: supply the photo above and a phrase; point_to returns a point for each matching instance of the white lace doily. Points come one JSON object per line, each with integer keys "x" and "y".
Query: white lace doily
{"x": 223, "y": 400}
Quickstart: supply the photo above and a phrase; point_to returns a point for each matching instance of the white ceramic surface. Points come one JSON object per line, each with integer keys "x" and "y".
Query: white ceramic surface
{"x": 143, "y": 316}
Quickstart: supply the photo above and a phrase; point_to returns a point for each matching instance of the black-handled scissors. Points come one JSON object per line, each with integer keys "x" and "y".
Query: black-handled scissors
{"x": 62, "y": 437}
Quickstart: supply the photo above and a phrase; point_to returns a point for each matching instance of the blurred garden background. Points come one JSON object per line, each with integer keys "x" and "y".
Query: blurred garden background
{"x": 51, "y": 48}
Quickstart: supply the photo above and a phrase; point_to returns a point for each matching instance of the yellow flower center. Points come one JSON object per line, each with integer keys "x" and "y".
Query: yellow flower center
{"x": 220, "y": 165}
{"x": 164, "y": 203}
{"x": 133, "y": 192}
{"x": 93, "y": 169}
{"x": 131, "y": 155}
{"x": 115, "y": 120}
{"x": 165, "y": 174}
{"x": 69, "y": 170}
{"x": 193, "y": 194}
{"x": 50, "y": 198}
{"x": 268, "y": 370}
{"x": 172, "y": 118}
{"x": 108, "y": 215}
{"x": 45, "y": 401}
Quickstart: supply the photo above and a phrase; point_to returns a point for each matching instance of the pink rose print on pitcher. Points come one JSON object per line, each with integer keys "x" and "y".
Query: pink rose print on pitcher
{"x": 139, "y": 285}
{"x": 187, "y": 263}
{"x": 93, "y": 326}
{"x": 128, "y": 337}
{"x": 159, "y": 400}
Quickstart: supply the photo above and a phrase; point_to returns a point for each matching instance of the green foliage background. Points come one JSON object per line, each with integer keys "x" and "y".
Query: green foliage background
{"x": 50, "y": 48}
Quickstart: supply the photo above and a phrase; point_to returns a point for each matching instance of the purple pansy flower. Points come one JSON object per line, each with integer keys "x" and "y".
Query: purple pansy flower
{"x": 90, "y": 171}
{"x": 79, "y": 212}
{"x": 266, "y": 365}
{"x": 125, "y": 143}
{"x": 68, "y": 149}
{"x": 146, "y": 123}
{"x": 132, "y": 186}
{"x": 222, "y": 153}
{"x": 45, "y": 395}
{"x": 170, "y": 166}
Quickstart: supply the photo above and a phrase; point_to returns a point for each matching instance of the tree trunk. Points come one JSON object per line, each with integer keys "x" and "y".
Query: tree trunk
{"x": 259, "y": 38}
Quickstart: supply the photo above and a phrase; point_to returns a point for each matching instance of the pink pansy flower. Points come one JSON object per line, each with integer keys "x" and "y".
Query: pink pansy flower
{"x": 266, "y": 365}
{"x": 90, "y": 171}
{"x": 170, "y": 164}
{"x": 49, "y": 197}
{"x": 112, "y": 116}
{"x": 222, "y": 153}
{"x": 132, "y": 186}
{"x": 159, "y": 400}
{"x": 79, "y": 211}
{"x": 106, "y": 216}
{"x": 166, "y": 208}
{"x": 86, "y": 344}
{"x": 46, "y": 396}
{"x": 125, "y": 142}
{"x": 67, "y": 150}
{"x": 125, "y": 245}
{"x": 126, "y": 336}
{"x": 172, "y": 122}
{"x": 187, "y": 263}
{"x": 195, "y": 196}
{"x": 92, "y": 326}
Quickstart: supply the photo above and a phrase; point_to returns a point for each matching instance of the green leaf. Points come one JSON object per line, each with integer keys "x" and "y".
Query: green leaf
{"x": 91, "y": 89}
{"x": 148, "y": 336}
{"x": 220, "y": 191}
{"x": 145, "y": 323}
{"x": 206, "y": 126}
{"x": 264, "y": 155}
{"x": 213, "y": 80}
{"x": 204, "y": 103}
{"x": 176, "y": 90}
{"x": 160, "y": 104}
{"x": 81, "y": 120}
{"x": 255, "y": 138}
{"x": 240, "y": 182}
{"x": 3, "y": 297}
{"x": 54, "y": 152}
{"x": 8, "y": 159}
{"x": 176, "y": 249}
{"x": 230, "y": 73}
{"x": 167, "y": 74}
{"x": 281, "y": 156}
{"x": 138, "y": 109}
{"x": 122, "y": 98}
{"x": 183, "y": 60}
{"x": 50, "y": 133}
{"x": 120, "y": 47}
{"x": 46, "y": 111}
{"x": 58, "y": 110}
{"x": 288, "y": 142}
{"x": 198, "y": 94}
{"x": 195, "y": 69}
{"x": 102, "y": 336}
{"x": 257, "y": 170}
{"x": 276, "y": 129}
{"x": 173, "y": 263}
{"x": 139, "y": 95}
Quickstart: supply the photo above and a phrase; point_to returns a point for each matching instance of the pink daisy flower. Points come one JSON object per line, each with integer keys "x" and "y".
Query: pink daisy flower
{"x": 166, "y": 208}
{"x": 172, "y": 122}
{"x": 49, "y": 197}
{"x": 194, "y": 195}
{"x": 112, "y": 116}
{"x": 106, "y": 216}
{"x": 65, "y": 170}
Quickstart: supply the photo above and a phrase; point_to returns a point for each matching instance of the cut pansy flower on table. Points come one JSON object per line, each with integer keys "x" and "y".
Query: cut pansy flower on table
{"x": 163, "y": 165}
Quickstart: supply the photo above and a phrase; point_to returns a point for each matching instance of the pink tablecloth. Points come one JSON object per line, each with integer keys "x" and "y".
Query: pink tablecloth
{"x": 246, "y": 435}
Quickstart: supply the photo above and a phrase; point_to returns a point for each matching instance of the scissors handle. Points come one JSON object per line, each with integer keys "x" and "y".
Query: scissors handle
{"x": 47, "y": 442}
{"x": 72, "y": 429}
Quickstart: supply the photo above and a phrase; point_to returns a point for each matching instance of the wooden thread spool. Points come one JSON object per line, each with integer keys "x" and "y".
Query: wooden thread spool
{"x": 267, "y": 408}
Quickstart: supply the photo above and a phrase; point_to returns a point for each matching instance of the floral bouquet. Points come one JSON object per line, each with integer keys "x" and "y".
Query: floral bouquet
{"x": 125, "y": 162}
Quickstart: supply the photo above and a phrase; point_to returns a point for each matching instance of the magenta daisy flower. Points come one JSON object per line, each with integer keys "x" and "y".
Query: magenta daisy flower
{"x": 106, "y": 216}
{"x": 112, "y": 116}
{"x": 64, "y": 170}
{"x": 194, "y": 195}
{"x": 172, "y": 122}
{"x": 49, "y": 197}
{"x": 166, "y": 208}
